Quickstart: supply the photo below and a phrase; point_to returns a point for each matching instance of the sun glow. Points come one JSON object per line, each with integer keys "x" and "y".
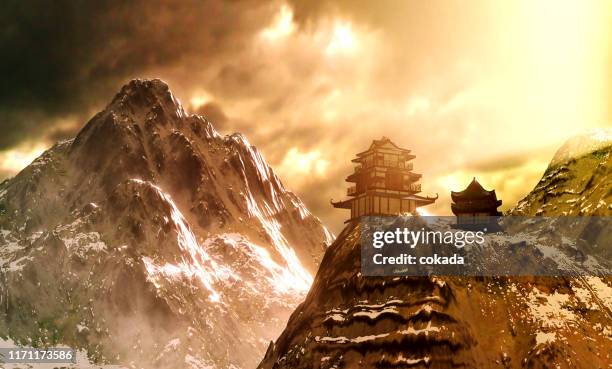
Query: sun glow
{"x": 199, "y": 98}
{"x": 281, "y": 27}
{"x": 422, "y": 212}
{"x": 555, "y": 72}
{"x": 342, "y": 40}
{"x": 14, "y": 160}
{"x": 304, "y": 163}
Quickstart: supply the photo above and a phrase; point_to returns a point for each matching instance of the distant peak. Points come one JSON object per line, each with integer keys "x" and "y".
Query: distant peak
{"x": 583, "y": 144}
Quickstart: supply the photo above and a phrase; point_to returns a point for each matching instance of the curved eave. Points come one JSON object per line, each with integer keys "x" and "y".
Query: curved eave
{"x": 344, "y": 204}
{"x": 352, "y": 177}
{"x": 421, "y": 200}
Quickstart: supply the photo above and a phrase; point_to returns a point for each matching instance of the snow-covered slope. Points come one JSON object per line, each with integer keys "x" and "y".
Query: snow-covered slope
{"x": 577, "y": 181}
{"x": 152, "y": 241}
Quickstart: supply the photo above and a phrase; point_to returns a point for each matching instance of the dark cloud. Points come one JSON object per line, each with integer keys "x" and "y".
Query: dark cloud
{"x": 63, "y": 57}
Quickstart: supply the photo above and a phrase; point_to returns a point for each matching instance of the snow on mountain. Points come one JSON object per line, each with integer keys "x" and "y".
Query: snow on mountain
{"x": 151, "y": 240}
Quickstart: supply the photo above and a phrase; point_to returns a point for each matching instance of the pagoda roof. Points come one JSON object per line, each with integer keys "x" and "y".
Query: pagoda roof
{"x": 343, "y": 204}
{"x": 423, "y": 200}
{"x": 474, "y": 191}
{"x": 383, "y": 143}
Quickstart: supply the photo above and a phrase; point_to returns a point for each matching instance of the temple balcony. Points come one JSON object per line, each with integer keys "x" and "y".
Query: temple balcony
{"x": 413, "y": 187}
{"x": 395, "y": 164}
{"x": 351, "y": 191}
{"x": 386, "y": 164}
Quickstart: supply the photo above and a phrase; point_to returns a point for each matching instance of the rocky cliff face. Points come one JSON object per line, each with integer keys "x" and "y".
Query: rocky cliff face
{"x": 152, "y": 241}
{"x": 352, "y": 321}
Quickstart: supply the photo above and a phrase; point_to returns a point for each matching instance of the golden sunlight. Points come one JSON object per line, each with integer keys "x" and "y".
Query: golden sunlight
{"x": 281, "y": 27}
{"x": 199, "y": 99}
{"x": 560, "y": 53}
{"x": 303, "y": 163}
{"x": 14, "y": 160}
{"x": 342, "y": 39}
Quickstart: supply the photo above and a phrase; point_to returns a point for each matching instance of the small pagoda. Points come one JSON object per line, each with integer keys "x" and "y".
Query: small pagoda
{"x": 384, "y": 183}
{"x": 475, "y": 206}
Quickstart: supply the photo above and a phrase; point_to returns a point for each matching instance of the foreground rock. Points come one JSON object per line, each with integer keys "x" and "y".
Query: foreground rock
{"x": 352, "y": 321}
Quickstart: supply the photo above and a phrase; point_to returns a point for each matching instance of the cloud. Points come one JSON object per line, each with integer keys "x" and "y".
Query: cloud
{"x": 68, "y": 57}
{"x": 507, "y": 162}
{"x": 17, "y": 158}
{"x": 480, "y": 89}
{"x": 214, "y": 113}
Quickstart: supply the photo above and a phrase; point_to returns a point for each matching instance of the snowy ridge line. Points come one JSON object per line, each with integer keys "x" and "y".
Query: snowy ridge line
{"x": 280, "y": 278}
{"x": 303, "y": 279}
{"x": 437, "y": 334}
{"x": 199, "y": 264}
{"x": 209, "y": 271}
{"x": 391, "y": 308}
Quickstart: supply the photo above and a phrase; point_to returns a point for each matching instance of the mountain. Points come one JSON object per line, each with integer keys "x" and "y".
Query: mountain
{"x": 152, "y": 241}
{"x": 352, "y": 321}
{"x": 577, "y": 181}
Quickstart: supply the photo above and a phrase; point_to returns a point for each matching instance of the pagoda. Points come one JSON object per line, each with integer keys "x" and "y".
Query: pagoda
{"x": 384, "y": 183}
{"x": 475, "y": 206}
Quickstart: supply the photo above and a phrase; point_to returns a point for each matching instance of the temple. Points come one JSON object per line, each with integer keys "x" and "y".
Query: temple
{"x": 384, "y": 183}
{"x": 475, "y": 205}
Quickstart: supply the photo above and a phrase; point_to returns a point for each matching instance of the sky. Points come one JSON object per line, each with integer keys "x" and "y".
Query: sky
{"x": 474, "y": 88}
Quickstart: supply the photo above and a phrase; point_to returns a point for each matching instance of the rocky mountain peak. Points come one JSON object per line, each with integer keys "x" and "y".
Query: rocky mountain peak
{"x": 150, "y": 215}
